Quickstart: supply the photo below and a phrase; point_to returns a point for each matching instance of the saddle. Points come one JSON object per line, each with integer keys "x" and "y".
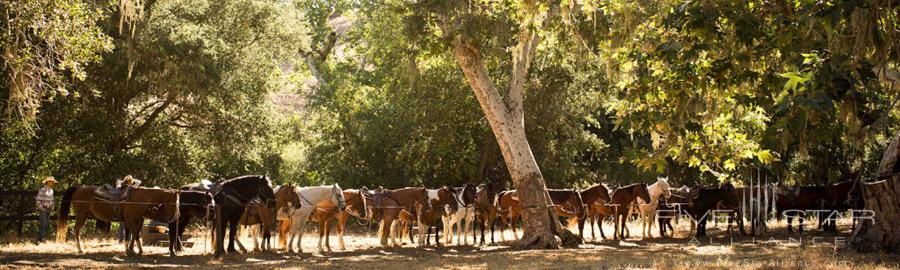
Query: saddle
{"x": 110, "y": 193}
{"x": 113, "y": 195}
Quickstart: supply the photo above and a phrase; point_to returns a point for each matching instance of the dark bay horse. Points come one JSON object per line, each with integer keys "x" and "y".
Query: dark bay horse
{"x": 485, "y": 208}
{"x": 714, "y": 198}
{"x": 156, "y": 204}
{"x": 840, "y": 197}
{"x": 621, "y": 200}
{"x": 568, "y": 203}
{"x": 596, "y": 194}
{"x": 195, "y": 204}
{"x": 795, "y": 202}
{"x": 232, "y": 197}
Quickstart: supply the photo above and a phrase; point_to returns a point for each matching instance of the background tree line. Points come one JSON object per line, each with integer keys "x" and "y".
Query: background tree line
{"x": 369, "y": 93}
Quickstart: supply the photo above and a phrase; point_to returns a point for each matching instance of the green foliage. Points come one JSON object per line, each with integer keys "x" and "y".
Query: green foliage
{"x": 369, "y": 93}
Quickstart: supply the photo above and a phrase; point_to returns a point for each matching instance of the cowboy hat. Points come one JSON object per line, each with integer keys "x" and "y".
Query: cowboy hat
{"x": 49, "y": 179}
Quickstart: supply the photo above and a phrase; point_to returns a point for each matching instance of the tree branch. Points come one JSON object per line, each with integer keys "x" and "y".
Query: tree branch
{"x": 522, "y": 56}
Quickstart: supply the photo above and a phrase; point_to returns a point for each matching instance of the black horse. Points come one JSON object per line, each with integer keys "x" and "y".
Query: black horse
{"x": 195, "y": 203}
{"x": 232, "y": 197}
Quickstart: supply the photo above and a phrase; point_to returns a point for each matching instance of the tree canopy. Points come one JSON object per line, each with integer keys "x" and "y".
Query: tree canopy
{"x": 370, "y": 93}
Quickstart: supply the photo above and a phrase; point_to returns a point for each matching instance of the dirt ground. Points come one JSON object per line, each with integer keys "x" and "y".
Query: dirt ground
{"x": 777, "y": 250}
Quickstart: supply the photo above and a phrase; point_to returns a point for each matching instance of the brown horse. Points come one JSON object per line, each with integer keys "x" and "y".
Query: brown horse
{"x": 389, "y": 203}
{"x": 509, "y": 209}
{"x": 597, "y": 194}
{"x": 486, "y": 208}
{"x": 326, "y": 212}
{"x": 568, "y": 203}
{"x": 428, "y": 219}
{"x": 156, "y": 204}
{"x": 257, "y": 218}
{"x": 621, "y": 200}
{"x": 285, "y": 195}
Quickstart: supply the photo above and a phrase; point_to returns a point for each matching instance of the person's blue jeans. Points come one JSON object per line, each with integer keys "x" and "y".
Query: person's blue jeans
{"x": 44, "y": 219}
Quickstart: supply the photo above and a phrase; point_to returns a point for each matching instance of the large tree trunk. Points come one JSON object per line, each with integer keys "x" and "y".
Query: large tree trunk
{"x": 883, "y": 199}
{"x": 506, "y": 118}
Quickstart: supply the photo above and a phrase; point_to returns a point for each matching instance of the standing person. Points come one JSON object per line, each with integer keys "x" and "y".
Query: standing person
{"x": 44, "y": 204}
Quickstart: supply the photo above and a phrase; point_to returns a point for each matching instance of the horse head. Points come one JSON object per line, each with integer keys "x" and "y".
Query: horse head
{"x": 337, "y": 197}
{"x": 169, "y": 207}
{"x": 641, "y": 192}
{"x": 468, "y": 194}
{"x": 265, "y": 192}
{"x": 663, "y": 183}
{"x": 422, "y": 198}
{"x": 447, "y": 197}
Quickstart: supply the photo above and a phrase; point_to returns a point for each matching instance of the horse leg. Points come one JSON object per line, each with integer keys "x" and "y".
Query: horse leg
{"x": 79, "y": 222}
{"x": 232, "y": 237}
{"x": 383, "y": 232}
{"x": 322, "y": 226}
{"x": 339, "y": 227}
{"x": 283, "y": 229}
{"x": 237, "y": 240}
{"x": 600, "y": 219}
{"x": 136, "y": 236}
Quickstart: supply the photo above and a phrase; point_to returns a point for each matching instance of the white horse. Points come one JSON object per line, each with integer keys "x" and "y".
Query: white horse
{"x": 465, "y": 214}
{"x": 309, "y": 197}
{"x": 648, "y": 209}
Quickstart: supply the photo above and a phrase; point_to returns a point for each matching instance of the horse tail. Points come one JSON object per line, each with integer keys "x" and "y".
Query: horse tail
{"x": 63, "y": 218}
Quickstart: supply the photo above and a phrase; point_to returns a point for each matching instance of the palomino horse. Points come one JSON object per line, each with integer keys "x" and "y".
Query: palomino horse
{"x": 389, "y": 203}
{"x": 622, "y": 198}
{"x": 232, "y": 197}
{"x": 194, "y": 205}
{"x": 509, "y": 209}
{"x": 257, "y": 219}
{"x": 465, "y": 212}
{"x": 309, "y": 198}
{"x": 486, "y": 208}
{"x": 568, "y": 203}
{"x": 427, "y": 219}
{"x": 156, "y": 204}
{"x": 596, "y": 194}
{"x": 647, "y": 209}
{"x": 326, "y": 212}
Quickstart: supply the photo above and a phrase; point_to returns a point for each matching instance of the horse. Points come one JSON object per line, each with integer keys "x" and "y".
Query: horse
{"x": 356, "y": 202}
{"x": 307, "y": 199}
{"x": 795, "y": 202}
{"x": 465, "y": 212}
{"x": 439, "y": 199}
{"x": 194, "y": 204}
{"x": 670, "y": 208}
{"x": 621, "y": 199}
{"x": 713, "y": 198}
{"x": 568, "y": 203}
{"x": 257, "y": 219}
{"x": 138, "y": 203}
{"x": 232, "y": 197}
{"x": 389, "y": 203}
{"x": 594, "y": 194}
{"x": 839, "y": 197}
{"x": 485, "y": 208}
{"x": 510, "y": 210}
{"x": 647, "y": 209}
